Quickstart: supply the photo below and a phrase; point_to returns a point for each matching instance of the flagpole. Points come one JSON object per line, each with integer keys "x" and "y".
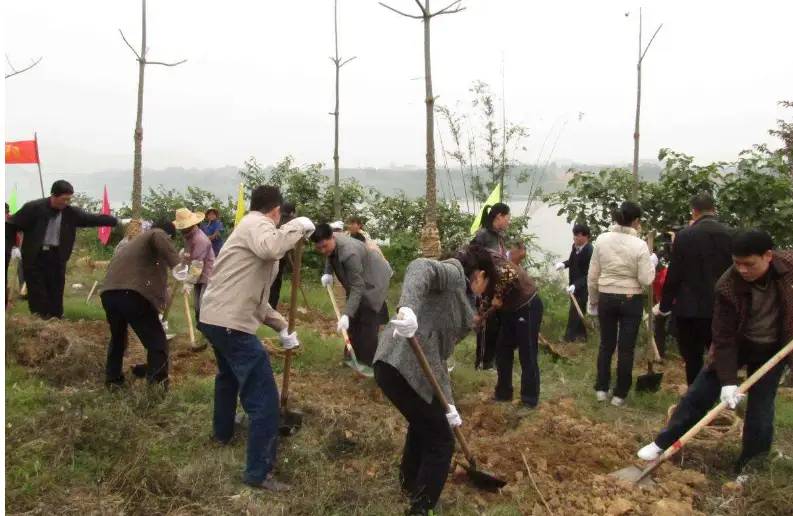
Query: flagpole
{"x": 38, "y": 163}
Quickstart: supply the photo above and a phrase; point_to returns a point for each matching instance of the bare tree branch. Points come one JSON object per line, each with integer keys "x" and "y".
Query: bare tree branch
{"x": 347, "y": 61}
{"x": 14, "y": 71}
{"x": 137, "y": 56}
{"x": 333, "y": 59}
{"x": 400, "y": 12}
{"x": 446, "y": 10}
{"x": 651, "y": 42}
{"x": 165, "y": 64}
{"x": 421, "y": 7}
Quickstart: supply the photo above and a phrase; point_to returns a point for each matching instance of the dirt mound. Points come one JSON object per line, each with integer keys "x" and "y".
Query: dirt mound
{"x": 567, "y": 461}
{"x": 74, "y": 352}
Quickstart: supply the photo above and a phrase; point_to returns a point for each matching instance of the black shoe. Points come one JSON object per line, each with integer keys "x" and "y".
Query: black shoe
{"x": 501, "y": 400}
{"x": 138, "y": 370}
{"x": 116, "y": 384}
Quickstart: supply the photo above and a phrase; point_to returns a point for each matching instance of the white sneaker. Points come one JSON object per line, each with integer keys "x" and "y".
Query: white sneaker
{"x": 650, "y": 452}
{"x": 742, "y": 480}
{"x": 601, "y": 395}
{"x": 617, "y": 402}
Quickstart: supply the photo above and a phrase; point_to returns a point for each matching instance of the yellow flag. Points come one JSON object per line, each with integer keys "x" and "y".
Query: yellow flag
{"x": 493, "y": 199}
{"x": 240, "y": 207}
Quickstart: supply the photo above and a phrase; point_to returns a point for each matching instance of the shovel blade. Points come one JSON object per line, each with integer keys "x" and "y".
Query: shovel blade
{"x": 291, "y": 422}
{"x": 633, "y": 474}
{"x": 484, "y": 480}
{"x": 650, "y": 382}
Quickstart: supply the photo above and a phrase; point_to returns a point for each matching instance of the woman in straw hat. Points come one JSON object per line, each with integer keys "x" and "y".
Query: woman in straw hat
{"x": 198, "y": 250}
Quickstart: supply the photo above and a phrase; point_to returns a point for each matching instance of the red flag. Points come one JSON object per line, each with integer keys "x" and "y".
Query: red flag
{"x": 22, "y": 152}
{"x": 104, "y": 231}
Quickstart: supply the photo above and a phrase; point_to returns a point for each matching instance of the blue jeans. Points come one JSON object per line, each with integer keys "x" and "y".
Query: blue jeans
{"x": 244, "y": 370}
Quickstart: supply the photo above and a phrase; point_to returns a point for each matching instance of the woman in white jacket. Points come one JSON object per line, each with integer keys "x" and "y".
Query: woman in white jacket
{"x": 621, "y": 267}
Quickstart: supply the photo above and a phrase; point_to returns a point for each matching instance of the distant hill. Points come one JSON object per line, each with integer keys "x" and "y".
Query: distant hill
{"x": 224, "y": 181}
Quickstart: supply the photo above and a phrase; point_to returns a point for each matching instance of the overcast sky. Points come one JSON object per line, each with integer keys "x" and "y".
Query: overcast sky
{"x": 258, "y": 80}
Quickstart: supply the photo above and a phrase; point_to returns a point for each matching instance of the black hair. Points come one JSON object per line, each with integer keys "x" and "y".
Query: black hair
{"x": 476, "y": 258}
{"x": 355, "y": 219}
{"x": 288, "y": 208}
{"x": 752, "y": 242}
{"x": 581, "y": 229}
{"x": 61, "y": 187}
{"x": 266, "y": 198}
{"x": 322, "y": 232}
{"x": 627, "y": 213}
{"x": 212, "y": 210}
{"x": 358, "y": 236}
{"x": 489, "y": 214}
{"x": 165, "y": 225}
{"x": 703, "y": 201}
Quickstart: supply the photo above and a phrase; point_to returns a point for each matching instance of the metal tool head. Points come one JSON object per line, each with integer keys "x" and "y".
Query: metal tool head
{"x": 484, "y": 480}
{"x": 633, "y": 474}
{"x": 291, "y": 422}
{"x": 650, "y": 382}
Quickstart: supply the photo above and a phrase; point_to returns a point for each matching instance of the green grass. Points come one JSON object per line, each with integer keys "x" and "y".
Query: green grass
{"x": 83, "y": 449}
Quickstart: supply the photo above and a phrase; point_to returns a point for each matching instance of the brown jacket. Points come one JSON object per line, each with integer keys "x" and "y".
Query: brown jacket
{"x": 514, "y": 288}
{"x": 729, "y": 350}
{"x": 142, "y": 265}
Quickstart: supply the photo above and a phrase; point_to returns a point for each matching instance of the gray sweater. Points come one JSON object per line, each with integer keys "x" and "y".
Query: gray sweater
{"x": 436, "y": 292}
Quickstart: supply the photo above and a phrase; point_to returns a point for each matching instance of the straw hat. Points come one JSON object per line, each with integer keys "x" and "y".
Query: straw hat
{"x": 186, "y": 218}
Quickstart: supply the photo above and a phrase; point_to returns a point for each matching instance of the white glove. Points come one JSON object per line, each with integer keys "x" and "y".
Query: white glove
{"x": 180, "y": 272}
{"x": 164, "y": 324}
{"x": 654, "y": 260}
{"x": 571, "y": 289}
{"x": 558, "y": 266}
{"x": 453, "y": 417}
{"x": 591, "y": 309}
{"x": 343, "y": 324}
{"x": 657, "y": 311}
{"x": 731, "y": 396}
{"x": 288, "y": 340}
{"x": 326, "y": 280}
{"x": 16, "y": 253}
{"x": 307, "y": 225}
{"x": 406, "y": 323}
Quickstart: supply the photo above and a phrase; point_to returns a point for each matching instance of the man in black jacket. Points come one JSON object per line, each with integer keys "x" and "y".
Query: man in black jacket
{"x": 700, "y": 255}
{"x": 49, "y": 226}
{"x": 578, "y": 265}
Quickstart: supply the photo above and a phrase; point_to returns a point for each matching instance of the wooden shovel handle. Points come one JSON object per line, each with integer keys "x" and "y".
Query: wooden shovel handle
{"x": 188, "y": 317}
{"x": 297, "y": 261}
{"x": 580, "y": 312}
{"x": 425, "y": 366}
{"x": 344, "y": 333}
{"x": 170, "y": 302}
{"x": 715, "y": 411}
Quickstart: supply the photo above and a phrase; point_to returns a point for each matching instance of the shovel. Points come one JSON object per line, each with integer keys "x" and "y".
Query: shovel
{"x": 291, "y": 420}
{"x": 584, "y": 320}
{"x": 651, "y": 381}
{"x": 641, "y": 476}
{"x": 356, "y": 366}
{"x": 479, "y": 478}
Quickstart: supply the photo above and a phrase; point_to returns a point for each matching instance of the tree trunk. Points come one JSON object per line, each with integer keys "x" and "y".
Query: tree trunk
{"x": 336, "y": 190}
{"x": 137, "y": 167}
{"x": 430, "y": 238}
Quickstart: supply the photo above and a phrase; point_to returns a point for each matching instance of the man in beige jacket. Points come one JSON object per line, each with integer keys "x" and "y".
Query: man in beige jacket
{"x": 234, "y": 305}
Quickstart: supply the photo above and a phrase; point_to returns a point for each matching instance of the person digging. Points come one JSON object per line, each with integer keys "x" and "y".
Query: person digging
{"x": 234, "y": 305}
{"x": 365, "y": 276}
{"x": 578, "y": 269}
{"x": 199, "y": 253}
{"x": 752, "y": 320}
{"x": 134, "y": 291}
{"x": 436, "y": 307}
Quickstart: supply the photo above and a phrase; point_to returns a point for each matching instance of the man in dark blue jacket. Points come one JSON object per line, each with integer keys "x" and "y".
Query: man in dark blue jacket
{"x": 578, "y": 267}
{"x": 49, "y": 226}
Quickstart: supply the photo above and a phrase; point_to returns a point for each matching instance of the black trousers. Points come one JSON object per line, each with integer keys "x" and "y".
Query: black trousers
{"x": 127, "y": 307}
{"x": 487, "y": 342}
{"x": 429, "y": 444}
{"x": 704, "y": 392}
{"x": 575, "y": 326}
{"x": 693, "y": 339}
{"x": 660, "y": 331}
{"x": 620, "y": 316}
{"x": 45, "y": 278}
{"x": 520, "y": 329}
{"x": 198, "y": 290}
{"x": 363, "y": 332}
{"x": 275, "y": 288}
